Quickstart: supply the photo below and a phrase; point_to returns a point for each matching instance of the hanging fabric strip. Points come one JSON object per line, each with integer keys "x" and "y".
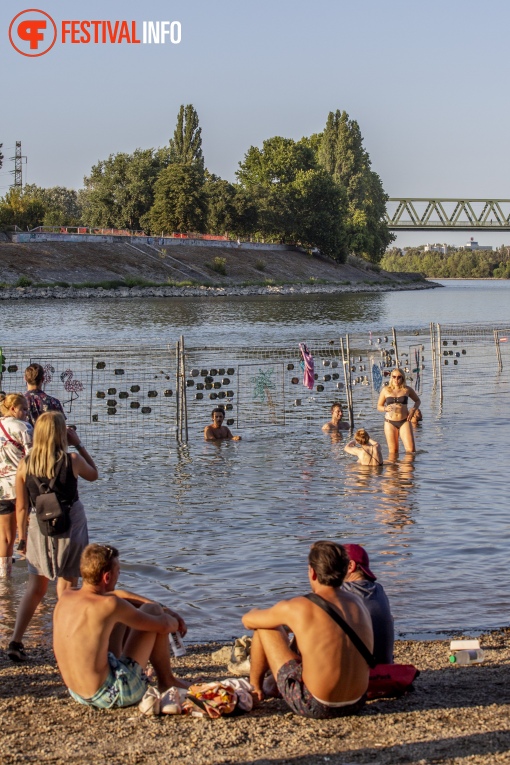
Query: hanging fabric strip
{"x": 308, "y": 377}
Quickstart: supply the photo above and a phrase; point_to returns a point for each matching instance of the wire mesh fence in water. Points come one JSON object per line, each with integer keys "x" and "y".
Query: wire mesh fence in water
{"x": 126, "y": 395}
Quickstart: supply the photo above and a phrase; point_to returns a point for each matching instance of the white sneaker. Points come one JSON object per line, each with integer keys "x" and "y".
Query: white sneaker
{"x": 170, "y": 703}
{"x": 151, "y": 702}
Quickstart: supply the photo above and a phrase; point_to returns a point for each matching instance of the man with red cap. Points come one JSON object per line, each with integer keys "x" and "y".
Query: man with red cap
{"x": 360, "y": 581}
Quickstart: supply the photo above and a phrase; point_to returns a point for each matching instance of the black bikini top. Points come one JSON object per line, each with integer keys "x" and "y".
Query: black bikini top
{"x": 397, "y": 400}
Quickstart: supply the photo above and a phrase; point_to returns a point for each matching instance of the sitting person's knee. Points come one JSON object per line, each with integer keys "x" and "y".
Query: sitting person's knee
{"x": 152, "y": 608}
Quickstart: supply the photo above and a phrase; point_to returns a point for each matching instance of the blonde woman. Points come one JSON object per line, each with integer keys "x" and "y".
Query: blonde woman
{"x": 393, "y": 401}
{"x": 15, "y": 443}
{"x": 364, "y": 448}
{"x": 50, "y": 557}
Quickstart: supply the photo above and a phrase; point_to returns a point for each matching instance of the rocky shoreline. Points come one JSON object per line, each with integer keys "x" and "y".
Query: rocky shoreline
{"x": 455, "y": 716}
{"x": 73, "y": 293}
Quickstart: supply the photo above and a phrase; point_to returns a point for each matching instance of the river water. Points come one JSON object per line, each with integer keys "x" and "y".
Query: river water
{"x": 213, "y": 530}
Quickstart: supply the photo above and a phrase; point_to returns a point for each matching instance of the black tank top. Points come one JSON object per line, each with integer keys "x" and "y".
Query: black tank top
{"x": 65, "y": 487}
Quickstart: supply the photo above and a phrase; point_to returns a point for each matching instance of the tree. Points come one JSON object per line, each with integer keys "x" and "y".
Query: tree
{"x": 186, "y": 145}
{"x": 20, "y": 209}
{"x": 120, "y": 189}
{"x": 342, "y": 155}
{"x": 61, "y": 205}
{"x": 180, "y": 202}
{"x": 230, "y": 208}
{"x": 297, "y": 200}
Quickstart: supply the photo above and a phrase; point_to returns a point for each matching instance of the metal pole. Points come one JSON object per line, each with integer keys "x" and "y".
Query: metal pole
{"x": 184, "y": 392}
{"x": 440, "y": 365}
{"x": 433, "y": 353}
{"x": 177, "y": 410}
{"x": 498, "y": 349}
{"x": 348, "y": 351}
{"x": 397, "y": 360}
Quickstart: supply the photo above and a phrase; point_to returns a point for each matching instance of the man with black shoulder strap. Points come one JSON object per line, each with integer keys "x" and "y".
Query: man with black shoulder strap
{"x": 333, "y": 630}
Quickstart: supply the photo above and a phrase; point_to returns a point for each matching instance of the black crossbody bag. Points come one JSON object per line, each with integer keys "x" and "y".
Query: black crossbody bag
{"x": 53, "y": 515}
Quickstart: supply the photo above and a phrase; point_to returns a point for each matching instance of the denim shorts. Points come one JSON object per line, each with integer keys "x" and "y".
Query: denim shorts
{"x": 125, "y": 685}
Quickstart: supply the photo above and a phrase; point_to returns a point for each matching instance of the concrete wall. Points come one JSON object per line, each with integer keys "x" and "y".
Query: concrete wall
{"x": 27, "y": 237}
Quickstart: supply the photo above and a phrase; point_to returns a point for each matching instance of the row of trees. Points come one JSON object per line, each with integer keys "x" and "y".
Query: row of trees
{"x": 319, "y": 191}
{"x": 455, "y": 264}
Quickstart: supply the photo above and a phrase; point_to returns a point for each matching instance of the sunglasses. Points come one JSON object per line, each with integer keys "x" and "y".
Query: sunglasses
{"x": 397, "y": 377}
{"x": 109, "y": 550}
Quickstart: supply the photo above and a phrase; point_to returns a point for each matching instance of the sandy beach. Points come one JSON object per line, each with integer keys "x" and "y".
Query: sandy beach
{"x": 455, "y": 716}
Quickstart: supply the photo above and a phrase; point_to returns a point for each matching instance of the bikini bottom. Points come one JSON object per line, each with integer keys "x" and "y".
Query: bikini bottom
{"x": 397, "y": 423}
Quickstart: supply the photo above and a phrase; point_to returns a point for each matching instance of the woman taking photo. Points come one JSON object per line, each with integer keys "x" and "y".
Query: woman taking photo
{"x": 15, "y": 443}
{"x": 50, "y": 466}
{"x": 393, "y": 401}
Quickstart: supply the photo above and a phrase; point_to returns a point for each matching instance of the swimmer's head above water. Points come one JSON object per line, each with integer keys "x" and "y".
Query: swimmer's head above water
{"x": 361, "y": 436}
{"x": 218, "y": 414}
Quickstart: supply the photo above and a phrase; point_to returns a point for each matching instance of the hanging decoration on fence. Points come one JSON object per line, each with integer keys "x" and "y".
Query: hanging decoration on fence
{"x": 49, "y": 371}
{"x": 452, "y": 355}
{"x": 308, "y": 367}
{"x": 72, "y": 386}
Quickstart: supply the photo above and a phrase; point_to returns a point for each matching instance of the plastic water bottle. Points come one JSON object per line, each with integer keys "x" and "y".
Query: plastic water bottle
{"x": 467, "y": 657}
{"x": 176, "y": 644}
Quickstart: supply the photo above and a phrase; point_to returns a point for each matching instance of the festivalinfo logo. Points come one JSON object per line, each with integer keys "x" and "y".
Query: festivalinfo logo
{"x": 33, "y": 32}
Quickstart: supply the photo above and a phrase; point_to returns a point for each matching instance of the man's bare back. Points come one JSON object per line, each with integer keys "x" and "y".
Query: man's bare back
{"x": 332, "y": 671}
{"x": 83, "y": 624}
{"x": 96, "y": 629}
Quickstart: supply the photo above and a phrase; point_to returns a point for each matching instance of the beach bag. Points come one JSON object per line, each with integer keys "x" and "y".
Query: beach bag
{"x": 391, "y": 680}
{"x": 53, "y": 515}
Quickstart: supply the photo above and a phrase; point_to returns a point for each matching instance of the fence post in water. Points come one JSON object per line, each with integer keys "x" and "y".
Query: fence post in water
{"x": 347, "y": 377}
{"x": 395, "y": 346}
{"x": 177, "y": 405}
{"x": 183, "y": 394}
{"x": 433, "y": 353}
{"x": 440, "y": 365}
{"x": 498, "y": 349}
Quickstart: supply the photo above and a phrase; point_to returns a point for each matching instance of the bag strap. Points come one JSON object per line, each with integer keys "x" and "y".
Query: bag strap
{"x": 17, "y": 444}
{"x": 357, "y": 641}
{"x": 47, "y": 488}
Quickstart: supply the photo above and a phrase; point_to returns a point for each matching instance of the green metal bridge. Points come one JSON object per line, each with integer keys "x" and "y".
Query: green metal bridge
{"x": 417, "y": 214}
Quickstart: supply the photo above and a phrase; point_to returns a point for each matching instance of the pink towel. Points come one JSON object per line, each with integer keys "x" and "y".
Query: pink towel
{"x": 308, "y": 378}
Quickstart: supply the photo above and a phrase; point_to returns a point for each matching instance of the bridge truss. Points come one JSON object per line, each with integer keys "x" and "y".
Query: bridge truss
{"x": 415, "y": 214}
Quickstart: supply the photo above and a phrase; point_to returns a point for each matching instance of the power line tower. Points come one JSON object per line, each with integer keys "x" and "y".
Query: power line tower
{"x": 18, "y": 164}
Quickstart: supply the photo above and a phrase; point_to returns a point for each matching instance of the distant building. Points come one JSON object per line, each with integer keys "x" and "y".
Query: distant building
{"x": 443, "y": 248}
{"x": 472, "y": 245}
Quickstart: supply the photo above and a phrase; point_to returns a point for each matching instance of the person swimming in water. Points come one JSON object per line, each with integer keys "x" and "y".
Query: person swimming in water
{"x": 393, "y": 401}
{"x": 364, "y": 448}
{"x": 218, "y": 431}
{"x": 335, "y": 424}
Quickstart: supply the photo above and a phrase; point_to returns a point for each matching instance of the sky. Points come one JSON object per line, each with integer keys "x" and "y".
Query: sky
{"x": 427, "y": 83}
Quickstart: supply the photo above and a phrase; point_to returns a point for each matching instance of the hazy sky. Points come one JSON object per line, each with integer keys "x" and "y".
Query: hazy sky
{"x": 427, "y": 82}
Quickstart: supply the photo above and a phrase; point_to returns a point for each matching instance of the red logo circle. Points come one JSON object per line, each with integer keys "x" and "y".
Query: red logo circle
{"x": 33, "y": 31}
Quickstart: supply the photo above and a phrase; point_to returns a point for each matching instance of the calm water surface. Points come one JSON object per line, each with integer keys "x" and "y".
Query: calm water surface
{"x": 215, "y": 529}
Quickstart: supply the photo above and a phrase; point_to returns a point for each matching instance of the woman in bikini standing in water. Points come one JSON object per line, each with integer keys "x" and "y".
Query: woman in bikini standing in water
{"x": 393, "y": 401}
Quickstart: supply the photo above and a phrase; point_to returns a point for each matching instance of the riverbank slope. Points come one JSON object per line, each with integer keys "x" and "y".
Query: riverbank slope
{"x": 51, "y": 263}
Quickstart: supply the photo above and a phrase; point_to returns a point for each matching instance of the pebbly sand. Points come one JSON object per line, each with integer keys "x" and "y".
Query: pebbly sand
{"x": 456, "y": 715}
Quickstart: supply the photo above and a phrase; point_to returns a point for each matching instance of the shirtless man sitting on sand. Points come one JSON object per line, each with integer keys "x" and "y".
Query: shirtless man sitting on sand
{"x": 218, "y": 431}
{"x": 103, "y": 639}
{"x": 364, "y": 448}
{"x": 328, "y": 677}
{"x": 335, "y": 425}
